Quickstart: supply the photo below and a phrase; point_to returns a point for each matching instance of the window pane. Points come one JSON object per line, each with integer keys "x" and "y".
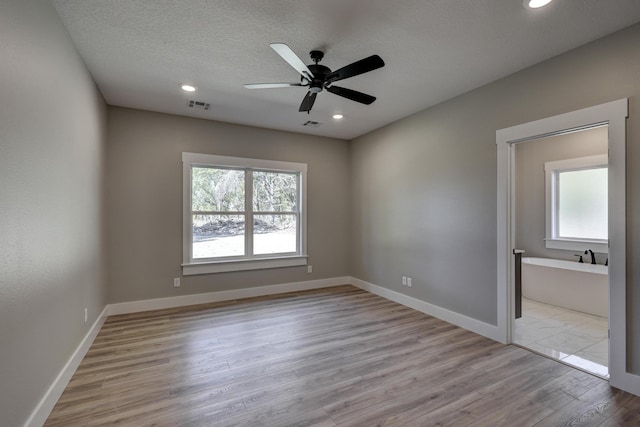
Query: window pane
{"x": 274, "y": 192}
{"x": 218, "y": 236}
{"x": 582, "y": 204}
{"x": 218, "y": 190}
{"x": 274, "y": 234}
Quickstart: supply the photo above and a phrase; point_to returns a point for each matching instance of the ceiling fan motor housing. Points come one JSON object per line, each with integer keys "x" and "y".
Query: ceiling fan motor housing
{"x": 320, "y": 73}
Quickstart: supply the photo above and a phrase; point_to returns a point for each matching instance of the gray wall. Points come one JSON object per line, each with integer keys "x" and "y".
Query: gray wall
{"x": 424, "y": 188}
{"x": 52, "y": 133}
{"x": 144, "y": 201}
{"x": 530, "y": 185}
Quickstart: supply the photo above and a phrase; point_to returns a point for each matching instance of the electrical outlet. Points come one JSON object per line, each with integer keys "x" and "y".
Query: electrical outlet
{"x": 176, "y": 282}
{"x": 86, "y": 315}
{"x": 309, "y": 269}
{"x": 409, "y": 281}
{"x": 404, "y": 280}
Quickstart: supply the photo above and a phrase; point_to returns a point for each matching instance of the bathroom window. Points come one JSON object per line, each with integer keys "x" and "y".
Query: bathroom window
{"x": 242, "y": 214}
{"x": 577, "y": 204}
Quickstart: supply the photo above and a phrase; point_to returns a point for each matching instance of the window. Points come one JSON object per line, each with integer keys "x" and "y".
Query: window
{"x": 577, "y": 204}
{"x": 242, "y": 214}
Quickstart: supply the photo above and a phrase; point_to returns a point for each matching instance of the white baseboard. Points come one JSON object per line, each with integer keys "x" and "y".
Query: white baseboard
{"x": 50, "y": 398}
{"x": 193, "y": 299}
{"x": 469, "y": 323}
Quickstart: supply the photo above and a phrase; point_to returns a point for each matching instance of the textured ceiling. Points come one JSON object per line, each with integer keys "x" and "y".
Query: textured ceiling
{"x": 139, "y": 51}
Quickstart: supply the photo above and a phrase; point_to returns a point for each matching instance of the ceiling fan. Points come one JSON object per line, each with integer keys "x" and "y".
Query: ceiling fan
{"x": 318, "y": 77}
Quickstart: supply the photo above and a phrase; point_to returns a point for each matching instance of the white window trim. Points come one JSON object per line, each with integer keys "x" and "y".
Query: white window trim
{"x": 191, "y": 267}
{"x": 552, "y": 241}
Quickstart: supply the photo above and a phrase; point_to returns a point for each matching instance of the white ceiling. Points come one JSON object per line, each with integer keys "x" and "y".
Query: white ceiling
{"x": 139, "y": 51}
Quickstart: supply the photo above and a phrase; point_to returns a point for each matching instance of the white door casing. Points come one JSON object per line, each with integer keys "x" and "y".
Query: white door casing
{"x": 614, "y": 115}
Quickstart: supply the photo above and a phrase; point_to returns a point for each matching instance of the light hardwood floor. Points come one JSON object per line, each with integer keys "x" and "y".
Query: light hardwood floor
{"x": 331, "y": 357}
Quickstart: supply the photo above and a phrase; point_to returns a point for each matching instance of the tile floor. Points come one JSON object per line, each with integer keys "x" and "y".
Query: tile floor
{"x": 576, "y": 338}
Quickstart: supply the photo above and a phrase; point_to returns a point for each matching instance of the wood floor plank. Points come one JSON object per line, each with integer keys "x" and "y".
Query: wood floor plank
{"x": 624, "y": 417}
{"x": 481, "y": 408}
{"x": 450, "y": 383}
{"x": 331, "y": 357}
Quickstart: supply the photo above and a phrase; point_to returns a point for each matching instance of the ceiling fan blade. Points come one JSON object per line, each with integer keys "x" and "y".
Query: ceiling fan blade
{"x": 308, "y": 101}
{"x": 292, "y": 59}
{"x": 359, "y": 67}
{"x": 270, "y": 85}
{"x": 353, "y": 95}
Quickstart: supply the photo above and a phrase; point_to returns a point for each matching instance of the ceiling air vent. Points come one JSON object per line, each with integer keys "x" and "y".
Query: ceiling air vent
{"x": 311, "y": 124}
{"x": 199, "y": 105}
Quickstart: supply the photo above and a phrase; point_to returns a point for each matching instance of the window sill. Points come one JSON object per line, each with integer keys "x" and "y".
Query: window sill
{"x": 242, "y": 265}
{"x": 597, "y": 246}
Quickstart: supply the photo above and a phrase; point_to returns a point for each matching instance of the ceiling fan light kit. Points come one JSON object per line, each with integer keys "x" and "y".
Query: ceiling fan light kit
{"x": 318, "y": 77}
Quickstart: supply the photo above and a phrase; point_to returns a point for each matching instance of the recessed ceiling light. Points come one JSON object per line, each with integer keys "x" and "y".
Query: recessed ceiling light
{"x": 338, "y": 116}
{"x": 188, "y": 88}
{"x": 534, "y": 4}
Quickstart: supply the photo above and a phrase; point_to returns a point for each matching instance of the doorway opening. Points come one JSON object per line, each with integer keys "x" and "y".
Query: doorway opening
{"x": 561, "y": 227}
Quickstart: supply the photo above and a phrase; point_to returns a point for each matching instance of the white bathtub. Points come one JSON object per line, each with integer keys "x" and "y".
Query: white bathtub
{"x": 568, "y": 284}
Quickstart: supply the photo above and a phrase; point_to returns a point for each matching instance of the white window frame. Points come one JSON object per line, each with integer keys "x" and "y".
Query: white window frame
{"x": 192, "y": 266}
{"x": 551, "y": 170}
